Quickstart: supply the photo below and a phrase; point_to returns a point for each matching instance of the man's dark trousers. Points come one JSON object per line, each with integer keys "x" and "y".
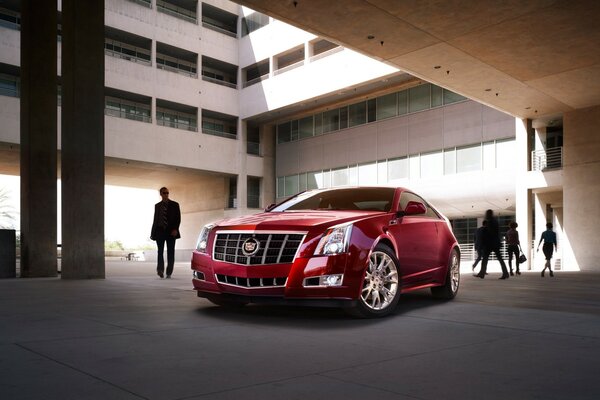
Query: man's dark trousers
{"x": 160, "y": 242}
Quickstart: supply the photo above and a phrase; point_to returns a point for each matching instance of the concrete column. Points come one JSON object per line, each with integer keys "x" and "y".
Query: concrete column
{"x": 82, "y": 169}
{"x": 523, "y": 202}
{"x": 242, "y": 180}
{"x": 269, "y": 181}
{"x": 38, "y": 138}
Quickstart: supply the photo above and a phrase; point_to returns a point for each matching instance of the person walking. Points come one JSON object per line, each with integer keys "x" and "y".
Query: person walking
{"x": 165, "y": 229}
{"x": 550, "y": 244}
{"x": 492, "y": 245}
{"x": 479, "y": 239}
{"x": 512, "y": 239}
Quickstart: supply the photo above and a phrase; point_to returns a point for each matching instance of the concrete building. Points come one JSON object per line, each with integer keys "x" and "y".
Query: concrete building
{"x": 233, "y": 110}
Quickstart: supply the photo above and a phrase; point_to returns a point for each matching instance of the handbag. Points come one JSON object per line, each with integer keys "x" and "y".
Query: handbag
{"x": 522, "y": 258}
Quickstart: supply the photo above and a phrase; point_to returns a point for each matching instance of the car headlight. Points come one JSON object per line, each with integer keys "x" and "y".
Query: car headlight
{"x": 335, "y": 240}
{"x": 203, "y": 238}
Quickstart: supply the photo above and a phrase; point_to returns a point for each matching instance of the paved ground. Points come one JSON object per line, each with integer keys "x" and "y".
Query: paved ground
{"x": 134, "y": 336}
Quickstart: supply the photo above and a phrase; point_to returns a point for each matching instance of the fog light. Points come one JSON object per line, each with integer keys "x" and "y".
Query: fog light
{"x": 332, "y": 280}
{"x": 199, "y": 275}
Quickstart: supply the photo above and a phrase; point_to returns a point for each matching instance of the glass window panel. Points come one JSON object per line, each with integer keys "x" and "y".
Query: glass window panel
{"x": 382, "y": 176}
{"x": 505, "y": 154}
{"x": 280, "y": 186}
{"x": 402, "y": 102}
{"x": 353, "y": 175}
{"x": 302, "y": 182}
{"x": 339, "y": 177}
{"x": 344, "y": 117}
{"x": 436, "y": 96}
{"x": 468, "y": 159}
{"x": 398, "y": 168}
{"x": 314, "y": 180}
{"x": 386, "y": 106}
{"x": 432, "y": 165}
{"x": 414, "y": 167}
{"x": 489, "y": 156}
{"x": 357, "y": 113}
{"x": 451, "y": 97}
{"x": 284, "y": 132}
{"x": 449, "y": 161}
{"x": 305, "y": 127}
{"x": 367, "y": 174}
{"x": 294, "y": 130}
{"x": 331, "y": 120}
{"x": 419, "y": 98}
{"x": 291, "y": 185}
{"x": 318, "y": 124}
{"x": 371, "y": 110}
{"x": 326, "y": 179}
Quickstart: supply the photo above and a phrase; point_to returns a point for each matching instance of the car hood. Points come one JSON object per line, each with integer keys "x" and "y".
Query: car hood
{"x": 293, "y": 220}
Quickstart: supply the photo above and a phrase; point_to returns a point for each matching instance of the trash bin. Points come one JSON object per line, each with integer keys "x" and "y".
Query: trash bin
{"x": 8, "y": 253}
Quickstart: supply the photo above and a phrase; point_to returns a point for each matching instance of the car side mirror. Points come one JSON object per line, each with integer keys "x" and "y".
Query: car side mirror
{"x": 270, "y": 207}
{"x": 414, "y": 208}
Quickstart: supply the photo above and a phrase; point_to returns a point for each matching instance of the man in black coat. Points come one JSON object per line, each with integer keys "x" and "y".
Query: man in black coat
{"x": 165, "y": 228}
{"x": 491, "y": 243}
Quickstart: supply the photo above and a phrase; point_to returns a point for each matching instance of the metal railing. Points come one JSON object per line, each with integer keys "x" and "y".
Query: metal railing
{"x": 253, "y": 148}
{"x": 326, "y": 53}
{"x": 214, "y": 27}
{"x": 175, "y": 11}
{"x": 288, "y": 67}
{"x": 219, "y": 81}
{"x": 177, "y": 125}
{"x": 127, "y": 115}
{"x": 547, "y": 159}
{"x": 255, "y": 80}
{"x": 219, "y": 133}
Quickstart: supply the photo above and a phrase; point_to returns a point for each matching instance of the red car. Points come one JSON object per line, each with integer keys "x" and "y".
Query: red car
{"x": 356, "y": 248}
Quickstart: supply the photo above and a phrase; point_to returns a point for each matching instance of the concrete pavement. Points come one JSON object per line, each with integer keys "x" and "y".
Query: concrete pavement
{"x": 135, "y": 336}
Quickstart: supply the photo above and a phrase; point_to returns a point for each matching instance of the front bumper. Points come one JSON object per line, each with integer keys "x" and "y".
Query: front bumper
{"x": 278, "y": 283}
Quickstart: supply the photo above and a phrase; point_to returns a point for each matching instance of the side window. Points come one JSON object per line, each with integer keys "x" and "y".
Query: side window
{"x": 405, "y": 197}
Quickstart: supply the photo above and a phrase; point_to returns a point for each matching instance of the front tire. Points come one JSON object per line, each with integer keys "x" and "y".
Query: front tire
{"x": 380, "y": 291}
{"x": 449, "y": 290}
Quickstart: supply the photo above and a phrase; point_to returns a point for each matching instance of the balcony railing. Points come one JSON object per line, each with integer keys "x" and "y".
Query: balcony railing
{"x": 326, "y": 53}
{"x": 547, "y": 159}
{"x": 175, "y": 11}
{"x": 288, "y": 67}
{"x": 253, "y": 148}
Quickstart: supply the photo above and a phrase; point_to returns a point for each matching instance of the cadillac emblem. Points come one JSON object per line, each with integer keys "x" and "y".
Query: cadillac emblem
{"x": 250, "y": 246}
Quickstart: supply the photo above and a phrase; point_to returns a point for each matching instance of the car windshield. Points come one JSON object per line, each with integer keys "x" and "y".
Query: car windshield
{"x": 351, "y": 199}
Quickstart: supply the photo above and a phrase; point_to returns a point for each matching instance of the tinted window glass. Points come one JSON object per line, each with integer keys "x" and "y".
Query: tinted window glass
{"x": 408, "y": 196}
{"x": 363, "y": 199}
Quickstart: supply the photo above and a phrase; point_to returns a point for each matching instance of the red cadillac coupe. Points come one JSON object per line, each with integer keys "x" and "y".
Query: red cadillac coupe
{"x": 354, "y": 247}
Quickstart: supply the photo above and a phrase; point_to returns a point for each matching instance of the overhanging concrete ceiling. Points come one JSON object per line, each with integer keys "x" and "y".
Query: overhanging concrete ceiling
{"x": 529, "y": 58}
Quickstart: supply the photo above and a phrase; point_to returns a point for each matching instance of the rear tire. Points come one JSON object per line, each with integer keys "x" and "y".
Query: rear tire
{"x": 380, "y": 291}
{"x": 449, "y": 290}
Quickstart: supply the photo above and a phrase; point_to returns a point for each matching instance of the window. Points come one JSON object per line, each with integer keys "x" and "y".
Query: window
{"x": 419, "y": 98}
{"x": 367, "y": 174}
{"x": 182, "y": 9}
{"x": 232, "y": 198}
{"x": 468, "y": 159}
{"x": 127, "y": 46}
{"x": 357, "y": 113}
{"x": 489, "y": 156}
{"x": 284, "y": 132}
{"x": 331, "y": 120}
{"x": 176, "y": 115}
{"x": 414, "y": 167}
{"x": 314, "y": 180}
{"x": 406, "y": 197}
{"x": 505, "y": 154}
{"x": 214, "y": 123}
{"x": 398, "y": 168}
{"x": 255, "y": 73}
{"x": 432, "y": 165}
{"x": 449, "y": 161}
{"x": 386, "y": 106}
{"x": 177, "y": 60}
{"x": 371, "y": 110}
{"x": 305, "y": 127}
{"x": 219, "y": 20}
{"x": 253, "y": 200}
{"x": 9, "y": 85}
{"x": 127, "y": 105}
{"x": 322, "y": 47}
{"x": 402, "y": 102}
{"x": 437, "y": 96}
{"x": 451, "y": 97}
{"x": 289, "y": 60}
{"x": 253, "y": 22}
{"x": 10, "y": 19}
{"x": 280, "y": 186}
{"x": 219, "y": 72}
{"x": 291, "y": 185}
{"x": 253, "y": 140}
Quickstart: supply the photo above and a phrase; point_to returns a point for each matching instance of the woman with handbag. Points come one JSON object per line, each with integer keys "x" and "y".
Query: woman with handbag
{"x": 512, "y": 239}
{"x": 549, "y": 239}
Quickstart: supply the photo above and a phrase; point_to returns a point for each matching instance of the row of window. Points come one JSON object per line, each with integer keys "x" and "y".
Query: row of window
{"x": 418, "y": 98}
{"x": 252, "y": 194}
{"x": 482, "y": 156}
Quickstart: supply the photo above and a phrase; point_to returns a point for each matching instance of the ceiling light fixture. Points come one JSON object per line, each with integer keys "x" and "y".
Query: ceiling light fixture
{"x": 370, "y": 37}
{"x": 437, "y": 67}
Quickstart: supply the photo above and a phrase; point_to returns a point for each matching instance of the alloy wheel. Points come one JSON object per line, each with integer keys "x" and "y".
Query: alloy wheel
{"x": 381, "y": 281}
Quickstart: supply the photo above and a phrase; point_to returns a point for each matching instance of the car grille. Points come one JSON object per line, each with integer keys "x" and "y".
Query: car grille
{"x": 251, "y": 282}
{"x": 274, "y": 248}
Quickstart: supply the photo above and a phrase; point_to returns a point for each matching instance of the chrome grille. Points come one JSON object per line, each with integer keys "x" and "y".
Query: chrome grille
{"x": 274, "y": 248}
{"x": 251, "y": 282}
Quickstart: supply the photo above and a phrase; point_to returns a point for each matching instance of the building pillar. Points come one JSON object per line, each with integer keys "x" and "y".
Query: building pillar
{"x": 82, "y": 168}
{"x": 242, "y": 180}
{"x": 523, "y": 202}
{"x": 38, "y": 138}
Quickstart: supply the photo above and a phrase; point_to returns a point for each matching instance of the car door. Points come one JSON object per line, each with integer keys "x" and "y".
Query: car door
{"x": 416, "y": 238}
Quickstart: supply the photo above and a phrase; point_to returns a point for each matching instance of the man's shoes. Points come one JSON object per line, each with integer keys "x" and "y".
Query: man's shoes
{"x": 168, "y": 276}
{"x": 511, "y": 273}
{"x": 542, "y": 274}
{"x": 518, "y": 272}
{"x": 160, "y": 274}
{"x": 479, "y": 276}
{"x": 504, "y": 277}
{"x": 551, "y": 273}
